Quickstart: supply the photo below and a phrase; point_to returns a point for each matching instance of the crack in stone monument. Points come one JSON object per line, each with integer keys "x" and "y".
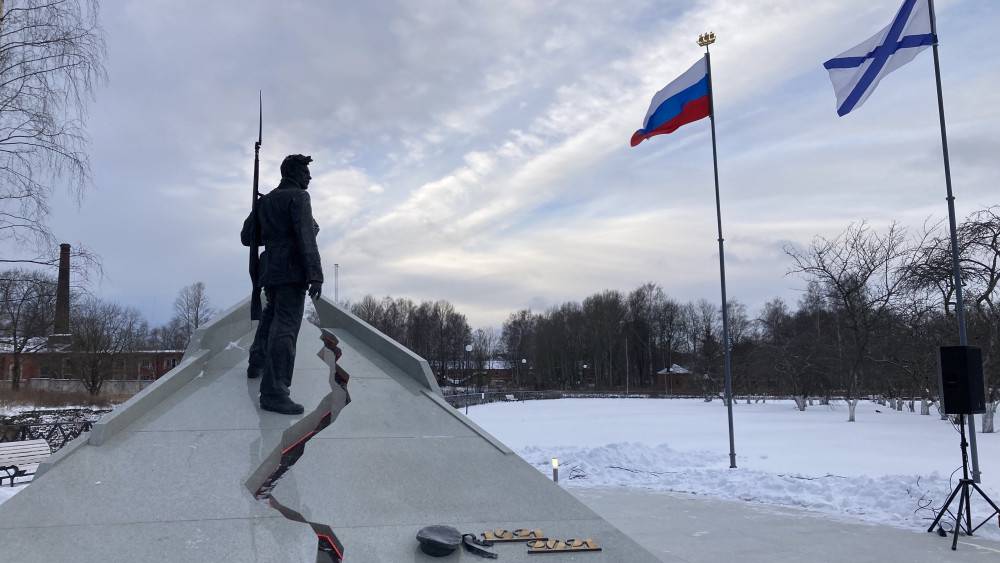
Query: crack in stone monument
{"x": 291, "y": 449}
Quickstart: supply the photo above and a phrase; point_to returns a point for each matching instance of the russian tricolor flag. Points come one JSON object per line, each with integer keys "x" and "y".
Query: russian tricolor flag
{"x": 682, "y": 101}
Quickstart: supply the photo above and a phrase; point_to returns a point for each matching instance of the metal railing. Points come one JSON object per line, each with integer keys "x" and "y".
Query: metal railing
{"x": 58, "y": 427}
{"x": 57, "y": 434}
{"x": 468, "y": 398}
{"x": 462, "y": 400}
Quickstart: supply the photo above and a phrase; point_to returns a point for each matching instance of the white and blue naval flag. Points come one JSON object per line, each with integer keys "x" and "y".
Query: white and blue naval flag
{"x": 857, "y": 71}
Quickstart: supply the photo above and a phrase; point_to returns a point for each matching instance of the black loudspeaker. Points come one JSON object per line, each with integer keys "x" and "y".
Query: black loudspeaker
{"x": 961, "y": 369}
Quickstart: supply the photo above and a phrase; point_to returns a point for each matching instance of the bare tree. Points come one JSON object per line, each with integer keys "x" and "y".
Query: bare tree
{"x": 192, "y": 309}
{"x": 393, "y": 317}
{"x": 668, "y": 324}
{"x": 708, "y": 359}
{"x": 51, "y": 59}
{"x": 980, "y": 235}
{"x": 171, "y": 336}
{"x": 603, "y": 316}
{"x": 862, "y": 272}
{"x": 484, "y": 347}
{"x": 26, "y": 310}
{"x": 369, "y": 309}
{"x": 979, "y": 253}
{"x": 102, "y": 332}
{"x": 779, "y": 353}
{"x": 643, "y": 303}
{"x": 517, "y": 343}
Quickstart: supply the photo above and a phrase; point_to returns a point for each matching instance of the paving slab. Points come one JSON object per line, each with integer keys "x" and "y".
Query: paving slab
{"x": 406, "y": 415}
{"x": 149, "y": 477}
{"x": 697, "y": 529}
{"x": 397, "y": 544}
{"x": 363, "y": 362}
{"x": 268, "y": 540}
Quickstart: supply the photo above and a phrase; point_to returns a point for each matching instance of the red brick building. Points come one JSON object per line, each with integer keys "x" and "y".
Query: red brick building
{"x": 53, "y": 358}
{"x": 43, "y": 362}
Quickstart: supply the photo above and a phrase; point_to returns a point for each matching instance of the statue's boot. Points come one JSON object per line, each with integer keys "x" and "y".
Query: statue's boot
{"x": 281, "y": 405}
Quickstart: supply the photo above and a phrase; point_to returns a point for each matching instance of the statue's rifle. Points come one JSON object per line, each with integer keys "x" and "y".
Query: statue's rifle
{"x": 255, "y": 306}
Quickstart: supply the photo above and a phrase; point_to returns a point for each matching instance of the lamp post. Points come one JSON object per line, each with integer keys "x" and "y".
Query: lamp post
{"x": 468, "y": 367}
{"x": 468, "y": 396}
{"x": 524, "y": 367}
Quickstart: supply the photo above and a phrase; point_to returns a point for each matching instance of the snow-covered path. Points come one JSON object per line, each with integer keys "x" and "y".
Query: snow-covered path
{"x": 889, "y": 467}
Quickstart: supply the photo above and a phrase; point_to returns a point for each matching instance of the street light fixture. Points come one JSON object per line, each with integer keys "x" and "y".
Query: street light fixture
{"x": 468, "y": 395}
{"x": 582, "y": 375}
{"x": 468, "y": 350}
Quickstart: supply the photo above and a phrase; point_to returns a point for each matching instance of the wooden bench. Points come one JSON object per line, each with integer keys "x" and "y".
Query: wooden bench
{"x": 21, "y": 459}
{"x": 509, "y": 398}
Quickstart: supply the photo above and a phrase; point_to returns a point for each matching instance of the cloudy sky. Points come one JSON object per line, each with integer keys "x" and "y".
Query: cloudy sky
{"x": 478, "y": 151}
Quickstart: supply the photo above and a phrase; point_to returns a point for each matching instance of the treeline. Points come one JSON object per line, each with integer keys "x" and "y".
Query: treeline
{"x": 435, "y": 331}
{"x": 877, "y": 305}
{"x": 102, "y": 330}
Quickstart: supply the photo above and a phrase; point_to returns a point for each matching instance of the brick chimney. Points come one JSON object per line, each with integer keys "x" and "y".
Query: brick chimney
{"x": 61, "y": 337}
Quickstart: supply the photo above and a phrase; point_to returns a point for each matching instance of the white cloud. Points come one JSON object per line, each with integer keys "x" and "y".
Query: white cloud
{"x": 478, "y": 152}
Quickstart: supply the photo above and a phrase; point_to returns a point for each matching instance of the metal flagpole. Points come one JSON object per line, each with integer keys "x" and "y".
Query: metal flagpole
{"x": 705, "y": 40}
{"x": 963, "y": 338}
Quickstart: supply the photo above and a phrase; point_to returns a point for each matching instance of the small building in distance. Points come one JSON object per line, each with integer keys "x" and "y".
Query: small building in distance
{"x": 678, "y": 380}
{"x": 45, "y": 362}
{"x": 483, "y": 375}
{"x": 498, "y": 375}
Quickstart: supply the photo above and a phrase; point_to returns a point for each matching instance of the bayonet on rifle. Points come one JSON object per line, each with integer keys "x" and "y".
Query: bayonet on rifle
{"x": 255, "y": 305}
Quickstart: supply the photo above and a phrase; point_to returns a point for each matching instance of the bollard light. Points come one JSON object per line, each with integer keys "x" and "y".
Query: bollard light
{"x": 555, "y": 469}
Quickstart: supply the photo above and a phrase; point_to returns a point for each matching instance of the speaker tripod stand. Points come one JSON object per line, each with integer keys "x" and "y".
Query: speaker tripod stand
{"x": 963, "y": 518}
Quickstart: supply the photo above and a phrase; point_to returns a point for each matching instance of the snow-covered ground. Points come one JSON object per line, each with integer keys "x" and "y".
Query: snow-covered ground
{"x": 889, "y": 467}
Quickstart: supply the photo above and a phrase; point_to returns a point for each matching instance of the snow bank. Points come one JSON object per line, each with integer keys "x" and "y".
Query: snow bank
{"x": 889, "y": 467}
{"x": 900, "y": 500}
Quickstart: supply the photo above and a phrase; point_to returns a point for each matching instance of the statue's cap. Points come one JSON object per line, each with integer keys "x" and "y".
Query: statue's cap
{"x": 292, "y": 161}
